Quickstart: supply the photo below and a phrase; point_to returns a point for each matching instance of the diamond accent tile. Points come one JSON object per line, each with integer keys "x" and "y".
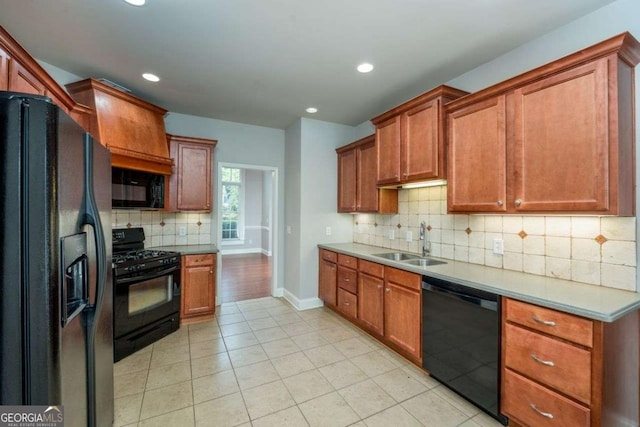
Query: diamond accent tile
{"x": 399, "y": 226}
{"x": 522, "y": 234}
{"x": 162, "y": 223}
{"x": 429, "y": 228}
{"x": 467, "y": 230}
{"x": 129, "y": 225}
{"x": 375, "y": 224}
{"x": 199, "y": 223}
{"x": 601, "y": 239}
{"x": 357, "y": 223}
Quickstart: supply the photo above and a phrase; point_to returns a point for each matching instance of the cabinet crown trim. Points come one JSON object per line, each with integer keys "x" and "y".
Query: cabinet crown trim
{"x": 366, "y": 140}
{"x": 440, "y": 91}
{"x": 624, "y": 45}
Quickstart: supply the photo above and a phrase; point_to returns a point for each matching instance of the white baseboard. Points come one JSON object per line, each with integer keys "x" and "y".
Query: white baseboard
{"x": 304, "y": 304}
{"x": 266, "y": 252}
{"x": 279, "y": 292}
{"x": 241, "y": 251}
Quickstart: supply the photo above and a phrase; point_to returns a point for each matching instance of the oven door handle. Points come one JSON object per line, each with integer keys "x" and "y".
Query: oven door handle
{"x": 143, "y": 278}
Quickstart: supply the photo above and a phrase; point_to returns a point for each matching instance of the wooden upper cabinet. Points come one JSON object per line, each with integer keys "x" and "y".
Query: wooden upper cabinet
{"x": 20, "y": 72}
{"x": 357, "y": 189}
{"x": 21, "y": 80}
{"x": 388, "y": 150}
{"x": 477, "y": 157}
{"x": 347, "y": 179}
{"x": 190, "y": 185}
{"x": 4, "y": 70}
{"x": 410, "y": 138}
{"x": 561, "y": 144}
{"x": 556, "y": 139}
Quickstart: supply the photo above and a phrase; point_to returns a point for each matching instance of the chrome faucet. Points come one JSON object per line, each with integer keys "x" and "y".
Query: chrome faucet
{"x": 426, "y": 244}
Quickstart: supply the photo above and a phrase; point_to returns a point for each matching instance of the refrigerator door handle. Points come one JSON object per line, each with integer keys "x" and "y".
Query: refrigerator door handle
{"x": 92, "y": 218}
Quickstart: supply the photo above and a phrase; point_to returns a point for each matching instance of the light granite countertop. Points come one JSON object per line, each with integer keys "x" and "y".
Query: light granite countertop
{"x": 189, "y": 249}
{"x": 594, "y": 302}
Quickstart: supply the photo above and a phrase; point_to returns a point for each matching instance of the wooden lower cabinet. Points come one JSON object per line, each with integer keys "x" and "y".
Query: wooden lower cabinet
{"x": 402, "y": 311}
{"x": 371, "y": 302}
{"x": 198, "y": 287}
{"x": 347, "y": 303}
{"x": 327, "y": 285}
{"x": 563, "y": 370}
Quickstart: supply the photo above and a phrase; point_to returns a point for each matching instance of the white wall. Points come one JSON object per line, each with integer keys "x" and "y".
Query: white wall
{"x": 267, "y": 213}
{"x": 293, "y": 156}
{"x": 312, "y": 202}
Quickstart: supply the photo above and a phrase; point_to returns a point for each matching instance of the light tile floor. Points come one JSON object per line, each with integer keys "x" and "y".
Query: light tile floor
{"x": 262, "y": 363}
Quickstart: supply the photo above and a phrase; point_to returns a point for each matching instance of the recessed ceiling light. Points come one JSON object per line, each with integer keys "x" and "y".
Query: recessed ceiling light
{"x": 151, "y": 77}
{"x": 365, "y": 67}
{"x": 136, "y": 2}
{"x": 312, "y": 110}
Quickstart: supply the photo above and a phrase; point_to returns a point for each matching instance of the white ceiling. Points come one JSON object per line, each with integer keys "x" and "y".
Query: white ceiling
{"x": 264, "y": 61}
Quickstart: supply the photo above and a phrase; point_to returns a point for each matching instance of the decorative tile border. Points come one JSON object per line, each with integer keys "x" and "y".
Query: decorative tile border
{"x": 163, "y": 228}
{"x": 589, "y": 249}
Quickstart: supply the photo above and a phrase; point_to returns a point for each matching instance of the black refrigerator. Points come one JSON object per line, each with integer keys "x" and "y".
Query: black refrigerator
{"x": 56, "y": 300}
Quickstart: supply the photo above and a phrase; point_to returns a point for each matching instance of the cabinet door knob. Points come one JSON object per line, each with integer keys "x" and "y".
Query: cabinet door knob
{"x": 387, "y": 290}
{"x": 379, "y": 286}
{"x": 211, "y": 271}
{"x": 395, "y": 175}
{"x": 499, "y": 203}
{"x": 518, "y": 202}
{"x": 544, "y": 414}
{"x": 404, "y": 174}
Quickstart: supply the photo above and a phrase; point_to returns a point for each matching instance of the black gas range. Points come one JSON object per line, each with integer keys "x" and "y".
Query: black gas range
{"x": 146, "y": 292}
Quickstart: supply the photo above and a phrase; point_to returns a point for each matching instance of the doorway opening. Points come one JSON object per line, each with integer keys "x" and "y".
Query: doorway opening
{"x": 247, "y": 219}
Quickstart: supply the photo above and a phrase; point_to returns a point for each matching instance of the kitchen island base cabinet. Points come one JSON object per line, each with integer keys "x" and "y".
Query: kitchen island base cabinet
{"x": 198, "y": 288}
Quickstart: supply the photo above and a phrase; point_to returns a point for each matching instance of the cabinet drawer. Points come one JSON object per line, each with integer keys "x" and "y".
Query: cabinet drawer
{"x": 348, "y": 303}
{"x": 348, "y": 261}
{"x": 328, "y": 255}
{"x": 563, "y": 366}
{"x": 562, "y": 325}
{"x": 522, "y": 399}
{"x": 348, "y": 279}
{"x": 200, "y": 259}
{"x": 404, "y": 278}
{"x": 371, "y": 268}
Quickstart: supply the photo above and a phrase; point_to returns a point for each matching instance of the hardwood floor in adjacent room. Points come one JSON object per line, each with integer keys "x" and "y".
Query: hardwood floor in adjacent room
{"x": 245, "y": 276}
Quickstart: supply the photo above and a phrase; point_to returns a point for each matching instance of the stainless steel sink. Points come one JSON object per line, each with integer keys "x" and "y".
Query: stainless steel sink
{"x": 424, "y": 262}
{"x": 397, "y": 256}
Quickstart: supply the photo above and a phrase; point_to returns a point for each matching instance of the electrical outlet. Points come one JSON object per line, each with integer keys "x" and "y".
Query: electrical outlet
{"x": 392, "y": 235}
{"x": 182, "y": 230}
{"x": 327, "y": 231}
{"x": 409, "y": 236}
{"x": 498, "y": 246}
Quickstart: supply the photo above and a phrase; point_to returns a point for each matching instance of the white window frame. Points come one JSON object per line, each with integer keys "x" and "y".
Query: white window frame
{"x": 241, "y": 208}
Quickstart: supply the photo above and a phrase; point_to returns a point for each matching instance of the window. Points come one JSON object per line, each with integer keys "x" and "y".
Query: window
{"x": 231, "y": 203}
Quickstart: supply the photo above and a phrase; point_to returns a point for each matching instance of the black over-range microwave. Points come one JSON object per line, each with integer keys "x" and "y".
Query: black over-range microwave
{"x": 136, "y": 189}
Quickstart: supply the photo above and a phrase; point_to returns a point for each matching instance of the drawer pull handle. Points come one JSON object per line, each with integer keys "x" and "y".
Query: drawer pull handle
{"x": 543, "y": 322}
{"x": 544, "y": 362}
{"x": 544, "y": 414}
{"x": 346, "y": 280}
{"x": 347, "y": 304}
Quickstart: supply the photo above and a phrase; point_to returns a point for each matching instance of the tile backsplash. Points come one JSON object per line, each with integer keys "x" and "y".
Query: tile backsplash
{"x": 163, "y": 228}
{"x": 589, "y": 249}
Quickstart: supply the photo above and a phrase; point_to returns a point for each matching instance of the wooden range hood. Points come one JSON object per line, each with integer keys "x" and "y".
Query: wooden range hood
{"x": 132, "y": 129}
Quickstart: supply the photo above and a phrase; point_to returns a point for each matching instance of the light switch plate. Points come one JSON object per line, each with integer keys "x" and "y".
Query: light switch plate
{"x": 327, "y": 231}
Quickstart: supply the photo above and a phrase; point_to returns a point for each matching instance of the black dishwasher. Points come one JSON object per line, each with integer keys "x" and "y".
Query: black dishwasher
{"x": 461, "y": 341}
